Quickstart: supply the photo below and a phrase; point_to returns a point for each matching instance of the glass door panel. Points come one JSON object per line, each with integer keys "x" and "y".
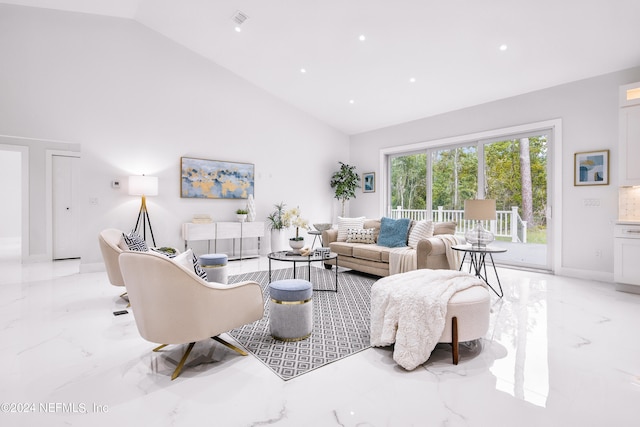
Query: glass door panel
{"x": 455, "y": 176}
{"x": 515, "y": 174}
{"x": 409, "y": 186}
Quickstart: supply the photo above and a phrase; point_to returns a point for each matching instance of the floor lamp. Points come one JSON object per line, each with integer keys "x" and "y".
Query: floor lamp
{"x": 479, "y": 210}
{"x": 143, "y": 186}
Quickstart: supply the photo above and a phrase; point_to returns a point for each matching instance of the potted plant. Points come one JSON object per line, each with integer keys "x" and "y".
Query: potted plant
{"x": 276, "y": 225}
{"x": 345, "y": 181}
{"x": 292, "y": 218}
{"x": 242, "y": 214}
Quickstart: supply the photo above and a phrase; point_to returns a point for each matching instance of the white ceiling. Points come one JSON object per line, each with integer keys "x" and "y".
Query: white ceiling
{"x": 450, "y": 47}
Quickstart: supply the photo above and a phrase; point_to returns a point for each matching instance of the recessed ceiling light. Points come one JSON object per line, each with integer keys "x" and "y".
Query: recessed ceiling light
{"x": 238, "y": 29}
{"x": 351, "y": 101}
{"x": 362, "y": 38}
{"x": 303, "y": 70}
{"x": 412, "y": 80}
{"x": 503, "y": 47}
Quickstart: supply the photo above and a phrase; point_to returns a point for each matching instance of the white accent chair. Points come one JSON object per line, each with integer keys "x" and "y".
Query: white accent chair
{"x": 172, "y": 305}
{"x": 109, "y": 240}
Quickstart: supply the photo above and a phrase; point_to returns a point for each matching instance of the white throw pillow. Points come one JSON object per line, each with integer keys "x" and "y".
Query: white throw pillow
{"x": 360, "y": 235}
{"x": 420, "y": 230}
{"x": 344, "y": 224}
{"x": 184, "y": 259}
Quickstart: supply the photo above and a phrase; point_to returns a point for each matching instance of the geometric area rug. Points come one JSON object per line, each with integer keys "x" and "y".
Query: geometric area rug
{"x": 340, "y": 322}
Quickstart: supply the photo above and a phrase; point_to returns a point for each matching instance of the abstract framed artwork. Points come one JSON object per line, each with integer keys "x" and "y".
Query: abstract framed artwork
{"x": 591, "y": 168}
{"x": 369, "y": 182}
{"x": 215, "y": 179}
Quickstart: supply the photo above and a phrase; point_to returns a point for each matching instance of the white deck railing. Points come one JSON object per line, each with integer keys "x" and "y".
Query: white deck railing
{"x": 507, "y": 223}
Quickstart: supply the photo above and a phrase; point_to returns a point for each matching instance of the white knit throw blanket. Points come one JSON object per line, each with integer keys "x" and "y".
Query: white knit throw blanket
{"x": 409, "y": 309}
{"x": 453, "y": 256}
{"x": 405, "y": 259}
{"x": 402, "y": 260}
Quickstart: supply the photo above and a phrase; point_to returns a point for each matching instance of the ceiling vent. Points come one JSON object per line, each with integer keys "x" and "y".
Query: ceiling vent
{"x": 239, "y": 18}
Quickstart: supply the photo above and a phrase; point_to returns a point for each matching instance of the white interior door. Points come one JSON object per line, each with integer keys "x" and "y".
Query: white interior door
{"x": 65, "y": 174}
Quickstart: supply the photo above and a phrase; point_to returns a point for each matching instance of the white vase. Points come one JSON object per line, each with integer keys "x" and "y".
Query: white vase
{"x": 278, "y": 242}
{"x": 296, "y": 245}
{"x": 251, "y": 208}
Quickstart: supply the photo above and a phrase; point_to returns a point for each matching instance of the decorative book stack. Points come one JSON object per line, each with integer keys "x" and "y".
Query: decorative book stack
{"x": 201, "y": 219}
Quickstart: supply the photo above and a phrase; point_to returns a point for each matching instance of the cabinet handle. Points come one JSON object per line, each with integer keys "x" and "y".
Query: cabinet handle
{"x": 632, "y": 231}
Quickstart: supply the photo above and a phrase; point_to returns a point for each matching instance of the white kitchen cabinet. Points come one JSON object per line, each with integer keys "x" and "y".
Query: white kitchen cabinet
{"x": 626, "y": 268}
{"x": 629, "y": 134}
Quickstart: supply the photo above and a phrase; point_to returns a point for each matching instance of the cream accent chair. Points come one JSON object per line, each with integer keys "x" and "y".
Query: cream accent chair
{"x": 172, "y": 305}
{"x": 109, "y": 240}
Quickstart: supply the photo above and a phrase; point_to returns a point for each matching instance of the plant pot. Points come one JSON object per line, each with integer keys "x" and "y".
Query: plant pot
{"x": 278, "y": 242}
{"x": 241, "y": 217}
{"x": 296, "y": 245}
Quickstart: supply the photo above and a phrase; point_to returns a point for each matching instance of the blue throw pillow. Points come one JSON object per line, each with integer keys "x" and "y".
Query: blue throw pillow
{"x": 393, "y": 232}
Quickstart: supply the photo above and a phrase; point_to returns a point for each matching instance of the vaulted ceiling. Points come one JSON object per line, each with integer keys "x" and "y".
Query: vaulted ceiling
{"x": 360, "y": 65}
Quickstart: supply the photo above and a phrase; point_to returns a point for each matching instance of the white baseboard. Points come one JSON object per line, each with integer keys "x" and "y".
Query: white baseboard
{"x": 36, "y": 258}
{"x": 599, "y": 276}
{"x": 632, "y": 289}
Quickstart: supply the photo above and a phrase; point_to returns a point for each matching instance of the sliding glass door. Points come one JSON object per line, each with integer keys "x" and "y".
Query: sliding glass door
{"x": 515, "y": 174}
{"x": 435, "y": 182}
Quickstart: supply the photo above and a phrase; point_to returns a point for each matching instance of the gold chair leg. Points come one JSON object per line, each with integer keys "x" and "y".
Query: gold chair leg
{"x": 160, "y": 347}
{"x": 181, "y": 364}
{"x": 125, "y": 297}
{"x": 231, "y": 346}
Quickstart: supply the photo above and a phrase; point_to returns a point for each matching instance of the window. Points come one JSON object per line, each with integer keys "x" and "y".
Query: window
{"x": 433, "y": 183}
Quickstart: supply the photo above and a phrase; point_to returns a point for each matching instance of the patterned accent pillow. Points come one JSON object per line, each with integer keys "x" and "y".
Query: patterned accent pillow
{"x": 198, "y": 270}
{"x": 189, "y": 260}
{"x": 360, "y": 235}
{"x": 135, "y": 242}
{"x": 344, "y": 224}
{"x": 420, "y": 230}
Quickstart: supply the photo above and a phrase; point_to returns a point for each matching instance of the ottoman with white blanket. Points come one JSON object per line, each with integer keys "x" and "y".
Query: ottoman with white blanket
{"x": 418, "y": 309}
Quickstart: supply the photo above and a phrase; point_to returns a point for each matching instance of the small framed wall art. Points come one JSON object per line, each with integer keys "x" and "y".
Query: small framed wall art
{"x": 591, "y": 168}
{"x": 369, "y": 182}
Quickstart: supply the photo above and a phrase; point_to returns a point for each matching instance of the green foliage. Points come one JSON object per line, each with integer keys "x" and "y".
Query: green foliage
{"x": 408, "y": 175}
{"x": 242, "y": 212}
{"x": 345, "y": 181}
{"x": 275, "y": 218}
{"x": 503, "y": 175}
{"x": 454, "y": 177}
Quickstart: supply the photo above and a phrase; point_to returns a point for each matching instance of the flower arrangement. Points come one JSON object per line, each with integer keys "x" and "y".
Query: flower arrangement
{"x": 292, "y": 218}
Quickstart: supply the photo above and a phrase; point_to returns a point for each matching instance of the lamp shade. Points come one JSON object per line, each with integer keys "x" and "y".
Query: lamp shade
{"x": 143, "y": 185}
{"x": 480, "y": 209}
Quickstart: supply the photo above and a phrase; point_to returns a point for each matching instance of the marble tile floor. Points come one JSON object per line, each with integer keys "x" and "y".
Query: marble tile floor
{"x": 559, "y": 352}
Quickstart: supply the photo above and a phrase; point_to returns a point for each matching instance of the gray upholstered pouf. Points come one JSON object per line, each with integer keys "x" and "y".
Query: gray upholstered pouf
{"x": 290, "y": 309}
{"x": 215, "y": 265}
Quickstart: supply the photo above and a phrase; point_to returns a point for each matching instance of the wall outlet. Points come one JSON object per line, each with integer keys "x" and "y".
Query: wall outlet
{"x": 93, "y": 201}
{"x": 592, "y": 202}
{"x": 115, "y": 183}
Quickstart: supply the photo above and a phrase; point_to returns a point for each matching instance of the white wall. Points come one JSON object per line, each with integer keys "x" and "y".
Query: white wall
{"x": 136, "y": 102}
{"x": 10, "y": 190}
{"x": 589, "y": 113}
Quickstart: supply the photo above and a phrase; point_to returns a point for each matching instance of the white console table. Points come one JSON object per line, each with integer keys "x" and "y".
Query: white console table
{"x": 224, "y": 230}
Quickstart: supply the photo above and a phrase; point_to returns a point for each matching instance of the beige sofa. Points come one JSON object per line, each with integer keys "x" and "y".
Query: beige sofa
{"x": 374, "y": 259}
